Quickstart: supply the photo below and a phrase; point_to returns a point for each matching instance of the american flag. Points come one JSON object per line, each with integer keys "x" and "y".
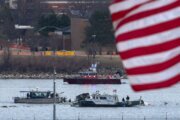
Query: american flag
{"x": 148, "y": 41}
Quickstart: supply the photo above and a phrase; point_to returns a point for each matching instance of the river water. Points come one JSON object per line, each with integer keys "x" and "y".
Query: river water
{"x": 155, "y": 110}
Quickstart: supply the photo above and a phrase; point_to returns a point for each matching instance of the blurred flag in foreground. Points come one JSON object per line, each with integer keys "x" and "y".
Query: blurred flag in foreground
{"x": 148, "y": 40}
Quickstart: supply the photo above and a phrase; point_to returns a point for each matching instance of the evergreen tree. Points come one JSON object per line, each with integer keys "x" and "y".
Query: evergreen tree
{"x": 101, "y": 26}
{"x": 7, "y": 29}
{"x": 50, "y": 23}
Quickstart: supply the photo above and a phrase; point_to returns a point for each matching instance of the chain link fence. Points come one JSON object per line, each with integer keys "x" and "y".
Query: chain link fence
{"x": 122, "y": 118}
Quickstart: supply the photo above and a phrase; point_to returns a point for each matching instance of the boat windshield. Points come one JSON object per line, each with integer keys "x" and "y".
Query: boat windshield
{"x": 103, "y": 98}
{"x": 39, "y": 94}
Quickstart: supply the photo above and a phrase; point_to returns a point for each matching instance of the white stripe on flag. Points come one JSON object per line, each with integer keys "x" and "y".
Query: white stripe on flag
{"x": 149, "y": 40}
{"x": 150, "y": 6}
{"x": 155, "y": 77}
{"x": 149, "y": 21}
{"x": 147, "y": 60}
{"x": 124, "y": 5}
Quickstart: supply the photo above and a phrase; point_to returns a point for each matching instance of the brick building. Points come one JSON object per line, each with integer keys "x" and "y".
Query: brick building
{"x": 78, "y": 26}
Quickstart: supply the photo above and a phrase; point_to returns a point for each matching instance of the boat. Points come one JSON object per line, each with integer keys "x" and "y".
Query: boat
{"x": 103, "y": 100}
{"x": 90, "y": 76}
{"x": 38, "y": 97}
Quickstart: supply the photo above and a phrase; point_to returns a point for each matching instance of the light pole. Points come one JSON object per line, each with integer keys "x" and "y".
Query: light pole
{"x": 54, "y": 92}
{"x": 94, "y": 51}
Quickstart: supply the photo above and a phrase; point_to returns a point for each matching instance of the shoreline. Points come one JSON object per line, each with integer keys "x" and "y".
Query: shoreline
{"x": 32, "y": 76}
{"x": 43, "y": 75}
{"x": 4, "y": 76}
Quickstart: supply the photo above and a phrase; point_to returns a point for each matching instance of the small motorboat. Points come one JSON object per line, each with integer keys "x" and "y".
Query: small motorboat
{"x": 103, "y": 100}
{"x": 39, "y": 97}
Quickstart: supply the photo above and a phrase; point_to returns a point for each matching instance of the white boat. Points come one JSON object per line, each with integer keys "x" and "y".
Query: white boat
{"x": 39, "y": 97}
{"x": 103, "y": 100}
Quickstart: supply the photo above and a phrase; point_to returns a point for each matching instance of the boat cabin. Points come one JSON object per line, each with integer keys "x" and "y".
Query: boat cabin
{"x": 97, "y": 97}
{"x": 82, "y": 96}
{"x": 38, "y": 94}
{"x": 105, "y": 97}
{"x": 91, "y": 72}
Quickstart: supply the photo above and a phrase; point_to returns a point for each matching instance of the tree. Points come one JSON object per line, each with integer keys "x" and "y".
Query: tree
{"x": 28, "y": 12}
{"x": 6, "y": 23}
{"x": 101, "y": 27}
{"x": 85, "y": 8}
{"x": 50, "y": 23}
{"x": 63, "y": 21}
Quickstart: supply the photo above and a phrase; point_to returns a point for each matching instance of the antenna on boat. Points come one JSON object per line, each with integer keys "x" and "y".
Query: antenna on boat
{"x": 54, "y": 92}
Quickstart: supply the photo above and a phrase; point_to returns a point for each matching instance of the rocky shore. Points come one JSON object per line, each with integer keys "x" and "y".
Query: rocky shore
{"x": 31, "y": 76}
{"x": 28, "y": 75}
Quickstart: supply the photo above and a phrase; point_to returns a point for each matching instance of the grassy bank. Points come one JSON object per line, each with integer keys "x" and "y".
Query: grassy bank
{"x": 68, "y": 65}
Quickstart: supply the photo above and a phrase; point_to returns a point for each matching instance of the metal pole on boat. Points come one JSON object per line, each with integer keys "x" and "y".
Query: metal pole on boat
{"x": 166, "y": 116}
{"x": 122, "y": 116}
{"x": 54, "y": 92}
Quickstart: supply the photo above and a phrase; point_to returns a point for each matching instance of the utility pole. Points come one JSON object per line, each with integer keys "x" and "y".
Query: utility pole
{"x": 54, "y": 92}
{"x": 63, "y": 42}
{"x": 94, "y": 49}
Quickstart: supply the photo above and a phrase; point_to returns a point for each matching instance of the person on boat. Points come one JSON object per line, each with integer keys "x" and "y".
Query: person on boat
{"x": 48, "y": 94}
{"x": 52, "y": 95}
{"x": 57, "y": 95}
{"x": 28, "y": 95}
{"x": 123, "y": 100}
{"x": 127, "y": 98}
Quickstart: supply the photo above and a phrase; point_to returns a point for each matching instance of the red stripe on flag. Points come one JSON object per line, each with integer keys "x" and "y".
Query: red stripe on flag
{"x": 148, "y": 13}
{"x": 165, "y": 83}
{"x": 149, "y": 30}
{"x": 140, "y": 51}
{"x": 154, "y": 68}
{"x": 118, "y": 1}
{"x": 121, "y": 14}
